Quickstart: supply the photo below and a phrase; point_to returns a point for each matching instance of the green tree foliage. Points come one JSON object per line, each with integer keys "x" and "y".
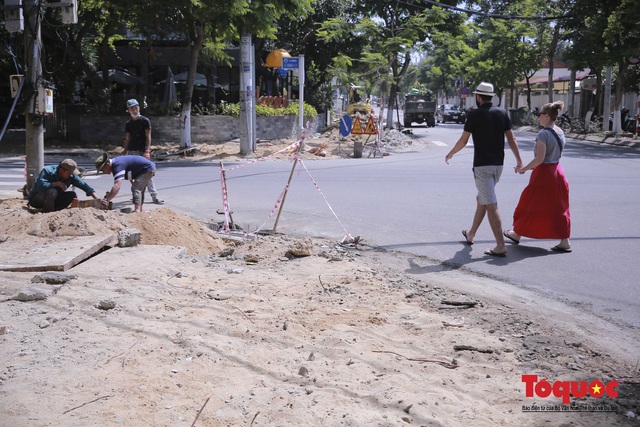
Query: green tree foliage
{"x": 514, "y": 39}
{"x": 373, "y": 43}
{"x": 448, "y": 61}
{"x": 390, "y": 32}
{"x": 300, "y": 35}
{"x": 605, "y": 33}
{"x": 79, "y": 52}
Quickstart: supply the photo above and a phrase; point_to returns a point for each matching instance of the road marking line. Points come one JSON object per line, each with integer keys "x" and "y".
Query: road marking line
{"x": 439, "y": 143}
{"x": 19, "y": 174}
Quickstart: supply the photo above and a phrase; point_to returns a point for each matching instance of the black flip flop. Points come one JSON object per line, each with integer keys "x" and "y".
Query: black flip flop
{"x": 466, "y": 239}
{"x": 492, "y": 253}
{"x": 561, "y": 250}
{"x": 506, "y": 234}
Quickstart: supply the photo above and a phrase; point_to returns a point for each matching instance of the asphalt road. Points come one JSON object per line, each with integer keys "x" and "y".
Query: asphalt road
{"x": 415, "y": 203}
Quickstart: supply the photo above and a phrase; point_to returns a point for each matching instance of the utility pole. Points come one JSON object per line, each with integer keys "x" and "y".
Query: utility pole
{"x": 18, "y": 14}
{"x": 34, "y": 128}
{"x": 247, "y": 89}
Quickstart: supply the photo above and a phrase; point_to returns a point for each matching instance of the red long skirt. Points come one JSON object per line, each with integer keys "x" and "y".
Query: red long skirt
{"x": 543, "y": 209}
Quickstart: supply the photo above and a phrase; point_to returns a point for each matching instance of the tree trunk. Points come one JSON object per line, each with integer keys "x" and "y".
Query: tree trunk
{"x": 528, "y": 92}
{"x": 617, "y": 98}
{"x": 552, "y": 53}
{"x": 393, "y": 95}
{"x": 185, "y": 116}
{"x": 596, "y": 101}
{"x": 398, "y": 73}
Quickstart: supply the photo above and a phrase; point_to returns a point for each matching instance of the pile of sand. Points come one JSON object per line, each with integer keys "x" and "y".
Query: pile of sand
{"x": 158, "y": 227}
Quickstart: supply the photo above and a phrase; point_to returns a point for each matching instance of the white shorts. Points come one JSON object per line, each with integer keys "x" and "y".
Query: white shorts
{"x": 486, "y": 178}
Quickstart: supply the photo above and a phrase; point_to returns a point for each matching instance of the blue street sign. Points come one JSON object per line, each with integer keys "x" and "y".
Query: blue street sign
{"x": 291, "y": 63}
{"x": 282, "y": 72}
{"x": 345, "y": 125}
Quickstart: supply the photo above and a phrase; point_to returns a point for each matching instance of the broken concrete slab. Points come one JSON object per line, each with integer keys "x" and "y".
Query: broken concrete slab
{"x": 35, "y": 293}
{"x": 135, "y": 261}
{"x": 129, "y": 237}
{"x": 59, "y": 254}
{"x": 53, "y": 278}
{"x": 93, "y": 203}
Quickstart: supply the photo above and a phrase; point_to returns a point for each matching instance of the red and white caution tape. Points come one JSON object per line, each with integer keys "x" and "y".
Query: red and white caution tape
{"x": 289, "y": 148}
{"x": 275, "y": 207}
{"x": 294, "y": 148}
{"x": 225, "y": 201}
{"x": 350, "y": 237}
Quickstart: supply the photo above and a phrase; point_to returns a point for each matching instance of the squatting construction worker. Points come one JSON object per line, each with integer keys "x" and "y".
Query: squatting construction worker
{"x": 49, "y": 191}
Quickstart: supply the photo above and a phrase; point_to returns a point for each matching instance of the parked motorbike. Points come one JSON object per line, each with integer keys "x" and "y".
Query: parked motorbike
{"x": 627, "y": 122}
{"x": 565, "y": 122}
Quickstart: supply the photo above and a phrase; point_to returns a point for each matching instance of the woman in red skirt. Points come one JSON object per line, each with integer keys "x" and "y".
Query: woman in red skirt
{"x": 543, "y": 209}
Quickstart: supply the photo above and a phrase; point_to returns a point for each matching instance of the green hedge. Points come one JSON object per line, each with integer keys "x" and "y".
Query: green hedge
{"x": 309, "y": 111}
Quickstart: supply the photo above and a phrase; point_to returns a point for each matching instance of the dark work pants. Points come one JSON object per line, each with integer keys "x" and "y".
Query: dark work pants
{"x": 53, "y": 199}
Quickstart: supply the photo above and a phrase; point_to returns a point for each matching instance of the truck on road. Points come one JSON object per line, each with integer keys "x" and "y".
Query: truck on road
{"x": 419, "y": 108}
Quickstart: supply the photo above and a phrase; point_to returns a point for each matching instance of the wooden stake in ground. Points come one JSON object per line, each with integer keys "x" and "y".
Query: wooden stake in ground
{"x": 284, "y": 196}
{"x": 200, "y": 411}
{"x": 223, "y": 174}
{"x": 86, "y": 403}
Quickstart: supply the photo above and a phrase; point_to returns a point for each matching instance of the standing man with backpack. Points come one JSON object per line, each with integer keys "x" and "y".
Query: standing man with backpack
{"x": 137, "y": 140}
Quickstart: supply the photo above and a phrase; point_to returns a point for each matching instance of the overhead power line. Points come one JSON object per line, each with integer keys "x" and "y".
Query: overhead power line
{"x": 495, "y": 15}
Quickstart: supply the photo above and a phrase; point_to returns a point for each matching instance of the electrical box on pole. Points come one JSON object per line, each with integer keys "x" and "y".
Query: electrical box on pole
{"x": 13, "y": 18}
{"x": 69, "y": 12}
{"x": 15, "y": 81}
{"x": 44, "y": 102}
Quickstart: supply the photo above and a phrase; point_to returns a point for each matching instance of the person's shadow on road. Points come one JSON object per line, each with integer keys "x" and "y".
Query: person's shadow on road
{"x": 463, "y": 257}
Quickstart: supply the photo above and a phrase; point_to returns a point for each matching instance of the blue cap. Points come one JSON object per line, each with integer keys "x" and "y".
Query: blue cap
{"x": 132, "y": 103}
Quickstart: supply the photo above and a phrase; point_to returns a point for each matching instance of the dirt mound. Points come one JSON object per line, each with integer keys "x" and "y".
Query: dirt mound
{"x": 166, "y": 227}
{"x": 158, "y": 227}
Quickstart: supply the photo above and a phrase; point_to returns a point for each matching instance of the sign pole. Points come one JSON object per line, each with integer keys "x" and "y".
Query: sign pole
{"x": 301, "y": 96}
{"x": 292, "y": 64}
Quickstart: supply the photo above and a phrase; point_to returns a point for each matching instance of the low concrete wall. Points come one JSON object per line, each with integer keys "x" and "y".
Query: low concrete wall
{"x": 110, "y": 130}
